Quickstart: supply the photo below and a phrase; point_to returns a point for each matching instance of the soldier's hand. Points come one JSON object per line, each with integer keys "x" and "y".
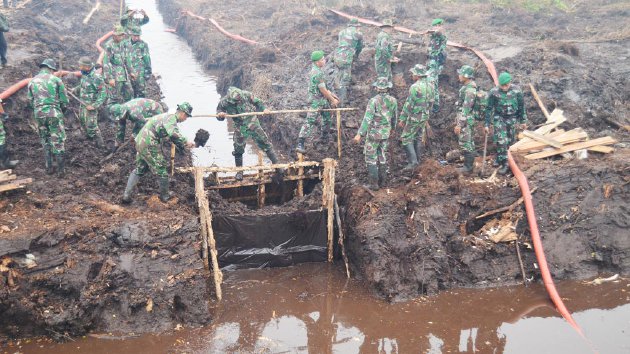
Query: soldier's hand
{"x": 395, "y": 60}
{"x": 486, "y": 130}
{"x": 457, "y": 130}
{"x": 357, "y": 139}
{"x": 334, "y": 102}
{"x": 522, "y": 126}
{"x": 190, "y": 145}
{"x": 401, "y": 124}
{"x": 267, "y": 111}
{"x": 112, "y": 82}
{"x": 90, "y": 108}
{"x": 221, "y": 116}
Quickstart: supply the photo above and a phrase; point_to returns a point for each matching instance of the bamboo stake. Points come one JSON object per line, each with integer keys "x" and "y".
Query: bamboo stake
{"x": 339, "y": 134}
{"x": 172, "y": 159}
{"x": 122, "y": 5}
{"x": 89, "y": 15}
{"x": 540, "y": 102}
{"x": 276, "y": 112}
{"x": 341, "y": 238}
{"x": 253, "y": 168}
{"x": 300, "y": 183}
{"x": 230, "y": 184}
{"x": 261, "y": 186}
{"x": 200, "y": 194}
{"x": 328, "y": 200}
{"x": 520, "y": 262}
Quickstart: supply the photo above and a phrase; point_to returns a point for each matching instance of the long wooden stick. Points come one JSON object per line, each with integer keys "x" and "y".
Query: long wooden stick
{"x": 339, "y": 134}
{"x": 106, "y": 158}
{"x": 200, "y": 194}
{"x": 253, "y": 168}
{"x": 328, "y": 200}
{"x": 505, "y": 208}
{"x": 485, "y": 150}
{"x": 520, "y": 262}
{"x": 261, "y": 187}
{"x": 89, "y": 15}
{"x": 300, "y": 182}
{"x": 285, "y": 111}
{"x": 172, "y": 159}
{"x": 540, "y": 102}
{"x": 341, "y": 238}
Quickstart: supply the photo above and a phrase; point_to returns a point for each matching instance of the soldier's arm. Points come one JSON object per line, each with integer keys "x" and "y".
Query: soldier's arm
{"x": 102, "y": 93}
{"x": 490, "y": 108}
{"x": 367, "y": 118}
{"x": 176, "y": 136}
{"x": 148, "y": 70}
{"x": 467, "y": 107}
{"x": 30, "y": 97}
{"x": 107, "y": 66}
{"x": 257, "y": 102}
{"x": 63, "y": 97}
{"x": 359, "y": 47}
{"x": 394, "y": 106}
{"x": 443, "y": 42}
{"x": 145, "y": 18}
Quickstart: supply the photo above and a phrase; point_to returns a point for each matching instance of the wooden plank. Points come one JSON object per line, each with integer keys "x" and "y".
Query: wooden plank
{"x": 572, "y": 136}
{"x": 300, "y": 184}
{"x": 572, "y": 147}
{"x": 6, "y": 178}
{"x": 555, "y": 119}
{"x": 540, "y": 102}
{"x": 5, "y": 172}
{"x": 602, "y": 149}
{"x": 20, "y": 183}
{"x": 543, "y": 139}
{"x": 225, "y": 184}
{"x": 252, "y": 168}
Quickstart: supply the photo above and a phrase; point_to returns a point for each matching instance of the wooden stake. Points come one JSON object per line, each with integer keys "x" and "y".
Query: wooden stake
{"x": 252, "y": 168}
{"x": 300, "y": 183}
{"x": 540, "y": 102}
{"x": 261, "y": 186}
{"x": 520, "y": 262}
{"x": 341, "y": 238}
{"x": 200, "y": 194}
{"x": 285, "y": 111}
{"x": 328, "y": 200}
{"x": 172, "y": 159}
{"x": 339, "y": 134}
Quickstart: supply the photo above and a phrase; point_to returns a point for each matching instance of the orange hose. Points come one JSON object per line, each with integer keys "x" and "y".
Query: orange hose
{"x": 215, "y": 24}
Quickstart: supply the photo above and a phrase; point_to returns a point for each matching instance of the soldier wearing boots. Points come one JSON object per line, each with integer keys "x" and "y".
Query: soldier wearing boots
{"x": 379, "y": 119}
{"x": 506, "y": 112}
{"x": 117, "y": 67}
{"x": 136, "y": 111}
{"x": 238, "y": 101}
{"x": 319, "y": 97}
{"x": 5, "y": 163}
{"x": 384, "y": 54}
{"x": 157, "y": 130}
{"x": 92, "y": 93}
{"x": 415, "y": 113}
{"x": 349, "y": 48}
{"x": 437, "y": 46}
{"x": 47, "y": 97}
{"x": 465, "y": 125}
{"x": 140, "y": 69}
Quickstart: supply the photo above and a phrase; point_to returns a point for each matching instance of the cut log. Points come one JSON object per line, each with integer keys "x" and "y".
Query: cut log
{"x": 542, "y": 139}
{"x": 572, "y": 147}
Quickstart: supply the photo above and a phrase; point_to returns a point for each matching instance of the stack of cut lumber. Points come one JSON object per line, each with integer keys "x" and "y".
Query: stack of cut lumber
{"x": 9, "y": 181}
{"x": 549, "y": 140}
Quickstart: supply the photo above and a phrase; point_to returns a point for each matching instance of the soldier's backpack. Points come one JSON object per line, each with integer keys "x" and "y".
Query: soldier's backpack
{"x": 4, "y": 24}
{"x": 481, "y": 102}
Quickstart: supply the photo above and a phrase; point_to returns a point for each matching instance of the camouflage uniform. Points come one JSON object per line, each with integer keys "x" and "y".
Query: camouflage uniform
{"x": 466, "y": 116}
{"x": 3, "y": 133}
{"x": 116, "y": 66}
{"x": 507, "y": 109}
{"x": 316, "y": 101}
{"x": 157, "y": 130}
{"x": 384, "y": 53}
{"x": 350, "y": 46}
{"x": 239, "y": 101}
{"x": 47, "y": 97}
{"x": 127, "y": 20}
{"x": 432, "y": 77}
{"x": 140, "y": 66}
{"x": 93, "y": 92}
{"x": 4, "y": 27}
{"x": 415, "y": 111}
{"x": 380, "y": 116}
{"x": 137, "y": 111}
{"x": 437, "y": 51}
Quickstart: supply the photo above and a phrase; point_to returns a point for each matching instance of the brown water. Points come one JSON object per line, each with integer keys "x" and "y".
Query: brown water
{"x": 312, "y": 308}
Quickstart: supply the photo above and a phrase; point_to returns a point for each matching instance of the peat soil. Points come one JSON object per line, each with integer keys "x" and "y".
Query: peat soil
{"x": 421, "y": 234}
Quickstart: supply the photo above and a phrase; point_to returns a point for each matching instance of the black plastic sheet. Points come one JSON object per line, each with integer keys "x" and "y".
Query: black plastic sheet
{"x": 279, "y": 240}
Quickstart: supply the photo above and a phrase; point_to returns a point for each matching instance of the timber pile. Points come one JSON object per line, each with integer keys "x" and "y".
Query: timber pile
{"x": 549, "y": 140}
{"x": 9, "y": 181}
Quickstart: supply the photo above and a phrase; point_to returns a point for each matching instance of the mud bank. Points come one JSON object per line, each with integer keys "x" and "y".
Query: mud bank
{"x": 421, "y": 235}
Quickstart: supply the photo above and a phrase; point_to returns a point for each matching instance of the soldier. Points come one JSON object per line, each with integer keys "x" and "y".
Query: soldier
{"x": 129, "y": 19}
{"x": 239, "y": 101}
{"x": 116, "y": 68}
{"x": 465, "y": 125}
{"x": 149, "y": 156}
{"x": 137, "y": 111}
{"x": 92, "y": 93}
{"x": 415, "y": 113}
{"x": 432, "y": 77}
{"x": 506, "y": 107}
{"x": 5, "y": 163}
{"x": 4, "y": 27}
{"x": 47, "y": 97}
{"x": 437, "y": 46}
{"x": 384, "y": 55}
{"x": 379, "y": 119}
{"x": 319, "y": 97}
{"x": 350, "y": 46}
{"x": 140, "y": 69}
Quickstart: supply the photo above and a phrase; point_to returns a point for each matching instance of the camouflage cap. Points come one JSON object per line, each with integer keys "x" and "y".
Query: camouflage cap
{"x": 49, "y": 63}
{"x": 186, "y": 108}
{"x": 317, "y": 55}
{"x": 419, "y": 70}
{"x": 119, "y": 30}
{"x": 134, "y": 31}
{"x": 388, "y": 22}
{"x": 505, "y": 78}
{"x": 233, "y": 94}
{"x": 466, "y": 71}
{"x": 86, "y": 61}
{"x": 382, "y": 83}
{"x": 437, "y": 22}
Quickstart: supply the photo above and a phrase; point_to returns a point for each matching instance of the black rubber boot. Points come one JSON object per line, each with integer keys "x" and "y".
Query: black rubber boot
{"x": 382, "y": 175}
{"x": 300, "y": 146}
{"x": 131, "y": 183}
{"x": 61, "y": 165}
{"x": 164, "y": 193}
{"x": 279, "y": 176}
{"x": 98, "y": 139}
{"x": 372, "y": 177}
{"x": 503, "y": 170}
{"x": 417, "y": 144}
{"x": 5, "y": 163}
{"x": 469, "y": 161}
{"x": 238, "y": 161}
{"x": 412, "y": 158}
{"x": 48, "y": 161}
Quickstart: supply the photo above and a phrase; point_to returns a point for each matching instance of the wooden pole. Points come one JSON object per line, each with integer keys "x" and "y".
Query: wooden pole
{"x": 341, "y": 238}
{"x": 261, "y": 186}
{"x": 540, "y": 102}
{"x": 122, "y": 5}
{"x": 172, "y": 159}
{"x": 339, "y": 134}
{"x": 285, "y": 111}
{"x": 520, "y": 262}
{"x": 253, "y": 168}
{"x": 328, "y": 200}
{"x": 300, "y": 183}
{"x": 205, "y": 219}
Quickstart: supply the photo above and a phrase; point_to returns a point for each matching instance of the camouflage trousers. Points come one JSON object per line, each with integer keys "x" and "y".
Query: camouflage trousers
{"x": 120, "y": 93}
{"x": 436, "y": 62}
{"x": 149, "y": 157}
{"x": 51, "y": 128}
{"x": 465, "y": 140}
{"x": 413, "y": 126}
{"x": 344, "y": 76}
{"x": 3, "y": 134}
{"x": 122, "y": 129}
{"x": 504, "y": 136}
{"x": 384, "y": 69}
{"x": 375, "y": 151}
{"x": 311, "y": 118}
{"x": 139, "y": 86}
{"x": 249, "y": 128}
{"x": 89, "y": 122}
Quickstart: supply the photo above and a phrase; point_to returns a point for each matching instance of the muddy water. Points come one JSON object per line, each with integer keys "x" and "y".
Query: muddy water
{"x": 311, "y": 308}
{"x": 182, "y": 78}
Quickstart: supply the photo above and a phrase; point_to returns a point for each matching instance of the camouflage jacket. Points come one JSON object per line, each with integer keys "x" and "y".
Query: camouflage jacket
{"x": 466, "y": 104}
{"x": 159, "y": 129}
{"x": 317, "y": 80}
{"x": 421, "y": 96}
{"x": 139, "y": 109}
{"x": 46, "y": 91}
{"x": 380, "y": 117}
{"x": 116, "y": 61}
{"x": 4, "y": 23}
{"x": 92, "y": 89}
{"x": 384, "y": 48}
{"x": 506, "y": 104}
{"x": 437, "y": 43}
{"x": 140, "y": 59}
{"x": 434, "y": 81}
{"x": 247, "y": 102}
{"x": 128, "y": 20}
{"x": 350, "y": 45}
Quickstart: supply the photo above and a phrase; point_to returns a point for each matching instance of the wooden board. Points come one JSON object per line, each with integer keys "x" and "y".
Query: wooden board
{"x": 6, "y": 178}
{"x": 543, "y": 139}
{"x": 555, "y": 119}
{"x": 602, "y": 149}
{"x": 572, "y": 136}
{"x": 20, "y": 183}
{"x": 572, "y": 147}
